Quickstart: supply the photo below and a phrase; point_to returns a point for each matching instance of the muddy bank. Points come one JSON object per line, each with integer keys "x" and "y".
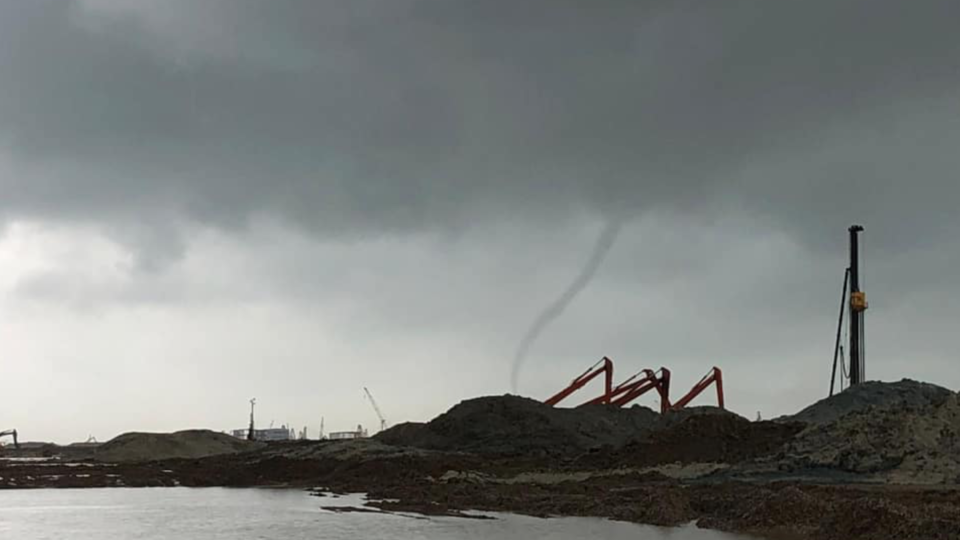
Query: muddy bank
{"x": 448, "y": 484}
{"x": 777, "y": 510}
{"x": 858, "y": 467}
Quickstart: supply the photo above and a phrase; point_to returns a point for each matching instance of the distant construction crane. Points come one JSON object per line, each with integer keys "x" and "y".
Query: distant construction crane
{"x": 376, "y": 409}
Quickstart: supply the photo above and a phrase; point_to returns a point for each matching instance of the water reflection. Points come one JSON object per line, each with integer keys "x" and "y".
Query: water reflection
{"x": 215, "y": 513}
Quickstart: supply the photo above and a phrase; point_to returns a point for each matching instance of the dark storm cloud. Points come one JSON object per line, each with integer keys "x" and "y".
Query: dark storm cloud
{"x": 374, "y": 117}
{"x": 475, "y": 148}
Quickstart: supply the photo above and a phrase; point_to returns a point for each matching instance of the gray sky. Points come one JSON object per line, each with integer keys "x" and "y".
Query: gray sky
{"x": 208, "y": 201}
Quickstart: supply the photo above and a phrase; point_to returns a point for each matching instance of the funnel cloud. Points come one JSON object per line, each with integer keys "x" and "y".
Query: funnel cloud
{"x": 608, "y": 236}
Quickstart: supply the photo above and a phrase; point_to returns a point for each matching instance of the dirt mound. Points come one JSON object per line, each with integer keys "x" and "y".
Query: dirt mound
{"x": 899, "y": 432}
{"x": 404, "y": 434}
{"x": 192, "y": 444}
{"x": 673, "y": 418}
{"x": 511, "y": 425}
{"x": 350, "y": 449}
{"x": 919, "y": 444}
{"x": 699, "y": 438}
{"x": 904, "y": 395}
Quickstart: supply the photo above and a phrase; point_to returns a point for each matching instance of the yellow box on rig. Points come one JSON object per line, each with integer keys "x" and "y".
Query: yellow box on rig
{"x": 858, "y": 301}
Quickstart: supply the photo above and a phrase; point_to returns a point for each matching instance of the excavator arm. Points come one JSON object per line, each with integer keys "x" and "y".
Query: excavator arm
{"x": 622, "y": 388}
{"x": 659, "y": 381}
{"x": 635, "y": 386}
{"x": 13, "y": 433}
{"x": 715, "y": 376}
{"x": 605, "y": 366}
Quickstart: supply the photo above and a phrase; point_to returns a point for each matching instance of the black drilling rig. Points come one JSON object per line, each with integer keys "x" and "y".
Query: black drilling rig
{"x": 855, "y": 305}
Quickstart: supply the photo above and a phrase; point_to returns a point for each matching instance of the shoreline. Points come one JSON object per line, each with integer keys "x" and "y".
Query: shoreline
{"x": 443, "y": 484}
{"x": 878, "y": 461}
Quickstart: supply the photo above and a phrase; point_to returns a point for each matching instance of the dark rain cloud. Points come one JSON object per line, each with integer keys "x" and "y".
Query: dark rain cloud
{"x": 722, "y": 135}
{"x": 378, "y": 117}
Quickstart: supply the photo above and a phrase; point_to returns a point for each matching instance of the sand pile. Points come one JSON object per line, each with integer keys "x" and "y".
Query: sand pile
{"x": 511, "y": 425}
{"x": 131, "y": 447}
{"x": 911, "y": 444}
{"x": 904, "y": 395}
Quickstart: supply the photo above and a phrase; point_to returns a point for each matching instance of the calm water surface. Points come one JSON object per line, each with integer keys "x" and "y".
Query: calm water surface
{"x": 214, "y": 513}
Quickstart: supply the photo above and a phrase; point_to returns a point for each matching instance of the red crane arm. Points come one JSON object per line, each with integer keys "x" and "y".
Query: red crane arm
{"x": 636, "y": 390}
{"x": 714, "y": 376}
{"x": 622, "y": 388}
{"x": 649, "y": 382}
{"x": 582, "y": 380}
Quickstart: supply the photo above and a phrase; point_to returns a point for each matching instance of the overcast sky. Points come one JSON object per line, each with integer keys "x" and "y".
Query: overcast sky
{"x": 203, "y": 202}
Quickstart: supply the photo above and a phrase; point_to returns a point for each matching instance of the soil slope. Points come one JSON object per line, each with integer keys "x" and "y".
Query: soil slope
{"x": 912, "y": 445}
{"x": 192, "y": 444}
{"x": 904, "y": 395}
{"x": 511, "y": 425}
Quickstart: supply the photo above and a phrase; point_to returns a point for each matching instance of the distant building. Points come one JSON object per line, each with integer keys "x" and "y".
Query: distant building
{"x": 269, "y": 434}
{"x": 360, "y": 433}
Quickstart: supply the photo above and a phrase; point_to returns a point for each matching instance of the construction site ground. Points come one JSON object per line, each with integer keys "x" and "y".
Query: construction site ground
{"x": 881, "y": 461}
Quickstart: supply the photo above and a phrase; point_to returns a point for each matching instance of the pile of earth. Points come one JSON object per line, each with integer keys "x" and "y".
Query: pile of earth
{"x": 905, "y": 395}
{"x": 700, "y": 438}
{"x": 905, "y": 431}
{"x": 915, "y": 443}
{"x": 516, "y": 426}
{"x": 191, "y": 444}
{"x": 511, "y": 425}
{"x": 341, "y": 450}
